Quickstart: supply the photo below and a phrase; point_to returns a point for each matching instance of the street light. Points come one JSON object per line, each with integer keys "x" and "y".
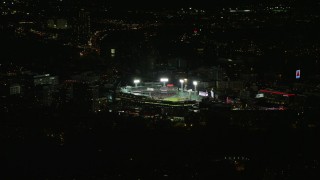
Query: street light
{"x": 195, "y": 83}
{"x": 136, "y": 82}
{"x": 181, "y": 81}
{"x": 164, "y": 80}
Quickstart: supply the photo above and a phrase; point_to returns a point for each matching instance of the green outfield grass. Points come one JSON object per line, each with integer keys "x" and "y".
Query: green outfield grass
{"x": 174, "y": 99}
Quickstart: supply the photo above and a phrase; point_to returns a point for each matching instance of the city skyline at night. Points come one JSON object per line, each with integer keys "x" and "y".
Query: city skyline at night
{"x": 106, "y": 89}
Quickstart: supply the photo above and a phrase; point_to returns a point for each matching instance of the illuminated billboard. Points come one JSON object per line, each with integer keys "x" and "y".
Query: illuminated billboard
{"x": 260, "y": 95}
{"x": 298, "y": 73}
{"x": 201, "y": 93}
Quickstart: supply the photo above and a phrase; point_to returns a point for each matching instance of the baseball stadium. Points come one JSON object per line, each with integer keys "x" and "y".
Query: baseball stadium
{"x": 161, "y": 92}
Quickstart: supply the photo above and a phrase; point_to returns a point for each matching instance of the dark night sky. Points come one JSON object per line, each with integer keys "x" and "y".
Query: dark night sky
{"x": 176, "y": 3}
{"x": 207, "y": 4}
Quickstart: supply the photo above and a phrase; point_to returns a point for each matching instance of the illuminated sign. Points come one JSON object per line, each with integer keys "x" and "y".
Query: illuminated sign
{"x": 164, "y": 80}
{"x": 298, "y": 74}
{"x": 228, "y": 100}
{"x": 261, "y": 95}
{"x": 169, "y": 85}
{"x": 163, "y": 89}
{"x": 276, "y": 92}
{"x": 201, "y": 93}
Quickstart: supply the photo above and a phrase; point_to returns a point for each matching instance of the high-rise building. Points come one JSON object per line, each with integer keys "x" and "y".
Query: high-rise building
{"x": 93, "y": 92}
{"x": 86, "y": 97}
{"x": 15, "y": 89}
{"x": 45, "y": 87}
{"x": 82, "y": 27}
{"x": 57, "y": 23}
{"x": 44, "y": 95}
{"x": 45, "y": 79}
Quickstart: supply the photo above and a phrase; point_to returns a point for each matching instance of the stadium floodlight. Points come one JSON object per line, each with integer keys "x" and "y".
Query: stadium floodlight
{"x": 185, "y": 83}
{"x": 164, "y": 80}
{"x": 181, "y": 81}
{"x": 136, "y": 82}
{"x": 195, "y": 83}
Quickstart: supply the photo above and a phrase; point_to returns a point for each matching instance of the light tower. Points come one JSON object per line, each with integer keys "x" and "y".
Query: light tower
{"x": 185, "y": 81}
{"x": 181, "y": 81}
{"x": 164, "y": 80}
{"x": 136, "y": 82}
{"x": 195, "y": 83}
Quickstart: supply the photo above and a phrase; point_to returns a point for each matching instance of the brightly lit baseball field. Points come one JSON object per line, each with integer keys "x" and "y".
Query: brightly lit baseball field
{"x": 158, "y": 92}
